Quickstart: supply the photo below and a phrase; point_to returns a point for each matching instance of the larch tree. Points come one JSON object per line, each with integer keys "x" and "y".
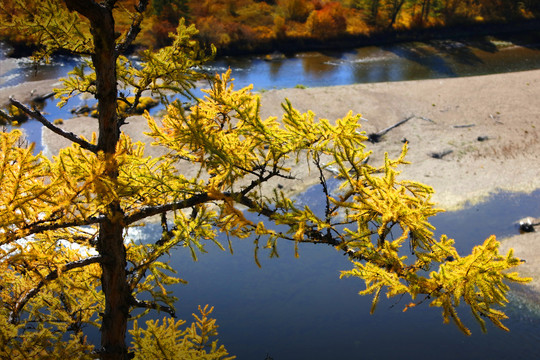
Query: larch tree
{"x": 65, "y": 258}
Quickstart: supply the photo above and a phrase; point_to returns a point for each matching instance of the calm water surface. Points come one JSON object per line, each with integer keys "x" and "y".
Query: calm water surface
{"x": 397, "y": 62}
{"x": 300, "y": 309}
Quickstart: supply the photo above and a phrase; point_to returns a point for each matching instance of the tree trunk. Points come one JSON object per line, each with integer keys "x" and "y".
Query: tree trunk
{"x": 110, "y": 242}
{"x": 115, "y": 289}
{"x": 374, "y": 13}
{"x": 425, "y": 11}
{"x": 395, "y": 11}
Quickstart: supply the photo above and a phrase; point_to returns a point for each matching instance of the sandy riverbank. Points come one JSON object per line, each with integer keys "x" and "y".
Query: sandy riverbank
{"x": 451, "y": 114}
{"x": 490, "y": 123}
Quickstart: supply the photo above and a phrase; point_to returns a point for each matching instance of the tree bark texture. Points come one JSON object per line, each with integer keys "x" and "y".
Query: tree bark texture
{"x": 110, "y": 242}
{"x": 397, "y": 5}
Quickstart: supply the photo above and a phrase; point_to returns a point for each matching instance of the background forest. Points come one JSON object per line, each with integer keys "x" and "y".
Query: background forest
{"x": 236, "y": 26}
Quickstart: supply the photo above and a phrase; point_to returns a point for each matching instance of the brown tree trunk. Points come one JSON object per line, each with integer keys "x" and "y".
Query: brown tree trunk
{"x": 110, "y": 242}
{"x": 397, "y": 5}
{"x": 115, "y": 289}
{"x": 374, "y": 13}
{"x": 425, "y": 10}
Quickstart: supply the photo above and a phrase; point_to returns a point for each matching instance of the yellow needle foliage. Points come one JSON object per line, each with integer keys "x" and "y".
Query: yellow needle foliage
{"x": 174, "y": 343}
{"x": 67, "y": 223}
{"x": 370, "y": 215}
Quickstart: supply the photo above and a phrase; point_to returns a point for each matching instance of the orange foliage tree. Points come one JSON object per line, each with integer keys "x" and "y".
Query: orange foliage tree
{"x": 328, "y": 22}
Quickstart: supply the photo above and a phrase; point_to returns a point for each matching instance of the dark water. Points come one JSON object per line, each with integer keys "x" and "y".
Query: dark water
{"x": 300, "y": 309}
{"x": 397, "y": 62}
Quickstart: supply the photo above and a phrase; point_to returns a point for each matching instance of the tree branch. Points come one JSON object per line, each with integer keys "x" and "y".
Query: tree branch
{"x": 159, "y": 209}
{"x": 240, "y": 198}
{"x": 261, "y": 179}
{"x": 68, "y": 135}
{"x": 53, "y": 275}
{"x": 40, "y": 227}
{"x": 322, "y": 181}
{"x": 244, "y": 200}
{"x": 134, "y": 29}
{"x": 89, "y": 9}
{"x": 152, "y": 306}
{"x": 36, "y": 228}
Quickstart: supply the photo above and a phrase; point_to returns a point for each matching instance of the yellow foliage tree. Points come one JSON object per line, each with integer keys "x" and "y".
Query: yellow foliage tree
{"x": 63, "y": 221}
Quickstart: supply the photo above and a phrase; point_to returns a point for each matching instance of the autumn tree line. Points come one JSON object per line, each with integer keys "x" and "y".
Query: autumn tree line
{"x": 225, "y": 22}
{"x": 263, "y": 25}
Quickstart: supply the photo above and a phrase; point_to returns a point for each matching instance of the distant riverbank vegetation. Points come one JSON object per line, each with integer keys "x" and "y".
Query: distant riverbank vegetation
{"x": 244, "y": 26}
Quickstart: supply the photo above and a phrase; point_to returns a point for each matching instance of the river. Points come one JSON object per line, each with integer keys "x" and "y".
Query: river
{"x": 298, "y": 308}
{"x": 396, "y": 62}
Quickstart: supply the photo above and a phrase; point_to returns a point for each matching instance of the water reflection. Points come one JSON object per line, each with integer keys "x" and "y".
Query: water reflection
{"x": 497, "y": 216}
{"x": 299, "y": 309}
{"x": 16, "y": 71}
{"x": 424, "y": 56}
{"x": 319, "y": 65}
{"x": 396, "y": 62}
{"x": 274, "y": 69}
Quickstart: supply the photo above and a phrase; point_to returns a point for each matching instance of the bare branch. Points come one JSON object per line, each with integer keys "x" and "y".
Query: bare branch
{"x": 68, "y": 135}
{"x": 153, "y": 306}
{"x": 39, "y": 227}
{"x": 322, "y": 181}
{"x": 53, "y": 275}
{"x": 261, "y": 178}
{"x": 159, "y": 209}
{"x": 376, "y": 137}
{"x": 134, "y": 29}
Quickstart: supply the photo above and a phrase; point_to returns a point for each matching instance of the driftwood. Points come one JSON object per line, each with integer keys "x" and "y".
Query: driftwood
{"x": 495, "y": 118}
{"x": 425, "y": 118}
{"x": 376, "y": 137}
{"x": 440, "y": 155}
{"x": 83, "y": 109}
{"x": 42, "y": 98}
{"x": 528, "y": 224}
{"x": 464, "y": 126}
{"x": 335, "y": 171}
